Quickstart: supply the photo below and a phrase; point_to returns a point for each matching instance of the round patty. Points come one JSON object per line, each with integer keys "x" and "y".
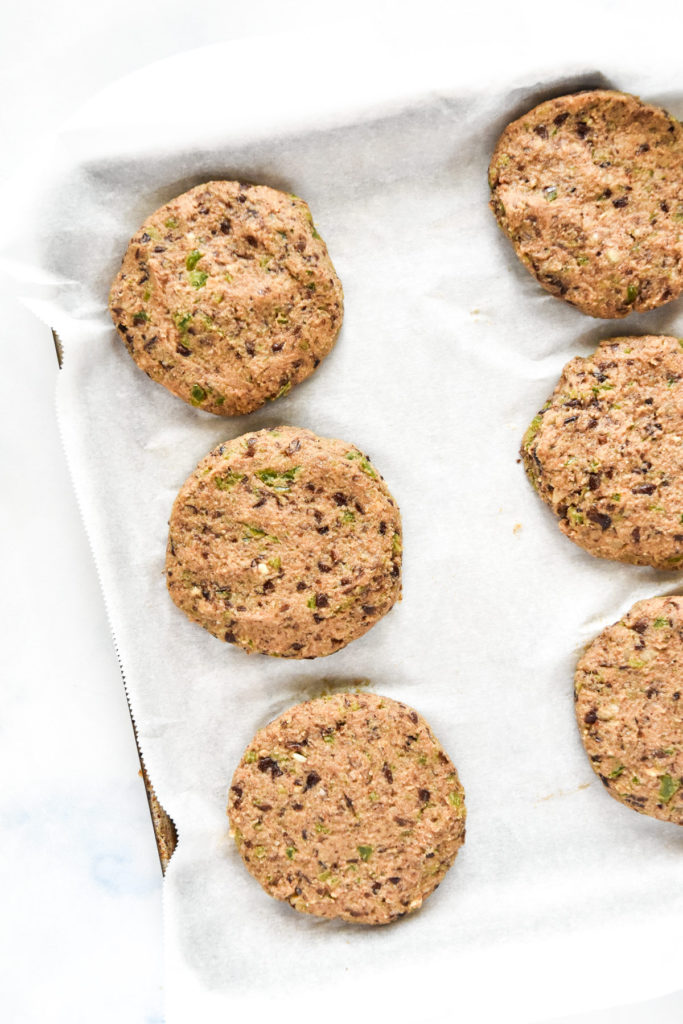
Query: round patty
{"x": 606, "y": 453}
{"x": 227, "y": 296}
{"x": 285, "y": 543}
{"x": 347, "y": 806}
{"x": 628, "y": 707}
{"x": 589, "y": 188}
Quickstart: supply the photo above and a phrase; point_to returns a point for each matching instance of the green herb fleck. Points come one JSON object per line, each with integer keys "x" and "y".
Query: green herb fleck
{"x": 396, "y": 545}
{"x": 227, "y": 481}
{"x": 550, "y": 193}
{"x": 193, "y": 259}
{"x": 275, "y": 563}
{"x": 253, "y": 531}
{"x": 533, "y": 428}
{"x": 198, "y": 278}
{"x": 632, "y": 293}
{"x": 140, "y": 317}
{"x": 575, "y": 516}
{"x": 198, "y": 394}
{"x": 668, "y": 787}
{"x": 171, "y": 223}
{"x": 616, "y": 772}
{"x": 320, "y": 828}
{"x": 582, "y": 260}
{"x": 365, "y": 852}
{"x": 289, "y": 852}
{"x": 636, "y": 662}
{"x": 364, "y": 464}
{"x": 277, "y": 479}
{"x": 250, "y": 756}
{"x": 311, "y": 603}
{"x": 309, "y": 218}
{"x": 661, "y": 623}
{"x": 182, "y": 321}
{"x": 228, "y": 277}
{"x": 454, "y": 798}
{"x": 286, "y": 387}
{"x": 348, "y": 516}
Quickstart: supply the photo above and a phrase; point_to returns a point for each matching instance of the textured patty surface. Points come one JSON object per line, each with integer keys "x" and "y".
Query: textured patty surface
{"x": 628, "y": 707}
{"x": 227, "y": 296}
{"x": 285, "y": 543}
{"x": 589, "y": 188}
{"x": 606, "y": 451}
{"x": 347, "y": 806}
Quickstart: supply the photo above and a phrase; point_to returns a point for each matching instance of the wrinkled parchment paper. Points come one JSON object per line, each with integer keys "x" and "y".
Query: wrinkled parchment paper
{"x": 561, "y": 897}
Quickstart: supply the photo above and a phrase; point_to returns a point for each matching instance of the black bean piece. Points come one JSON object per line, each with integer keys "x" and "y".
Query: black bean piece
{"x": 268, "y": 764}
{"x": 601, "y": 519}
{"x": 312, "y": 779}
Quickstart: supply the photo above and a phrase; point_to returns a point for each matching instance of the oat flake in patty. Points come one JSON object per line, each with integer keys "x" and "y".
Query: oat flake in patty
{"x": 348, "y": 807}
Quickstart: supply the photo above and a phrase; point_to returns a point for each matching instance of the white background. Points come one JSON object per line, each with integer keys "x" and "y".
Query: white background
{"x": 81, "y": 931}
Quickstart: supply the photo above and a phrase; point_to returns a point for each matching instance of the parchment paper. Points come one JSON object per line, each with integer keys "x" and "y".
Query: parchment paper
{"x": 561, "y": 897}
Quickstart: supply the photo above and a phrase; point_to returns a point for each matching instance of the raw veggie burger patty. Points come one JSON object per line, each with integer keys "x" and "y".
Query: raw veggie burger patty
{"x": 227, "y": 296}
{"x": 606, "y": 451}
{"x": 628, "y": 707}
{"x": 285, "y": 543}
{"x": 589, "y": 188}
{"x": 348, "y": 807}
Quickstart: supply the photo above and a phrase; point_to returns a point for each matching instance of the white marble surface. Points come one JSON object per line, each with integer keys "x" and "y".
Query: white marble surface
{"x": 80, "y": 929}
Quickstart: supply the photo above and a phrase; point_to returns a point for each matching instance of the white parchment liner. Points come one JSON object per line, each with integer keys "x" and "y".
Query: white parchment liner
{"x": 561, "y": 897}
